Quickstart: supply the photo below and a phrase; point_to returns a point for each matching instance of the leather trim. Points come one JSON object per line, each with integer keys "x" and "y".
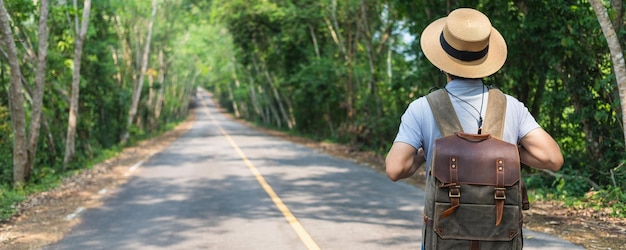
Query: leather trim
{"x": 500, "y": 192}
{"x": 474, "y": 245}
{"x": 471, "y": 168}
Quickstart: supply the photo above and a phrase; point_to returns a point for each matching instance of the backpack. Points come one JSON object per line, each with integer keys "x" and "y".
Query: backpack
{"x": 474, "y": 191}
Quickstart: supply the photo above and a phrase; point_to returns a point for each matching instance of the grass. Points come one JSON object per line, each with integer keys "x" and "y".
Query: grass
{"x": 609, "y": 200}
{"x": 45, "y": 178}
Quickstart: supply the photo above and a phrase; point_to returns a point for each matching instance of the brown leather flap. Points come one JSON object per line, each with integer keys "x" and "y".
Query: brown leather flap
{"x": 475, "y": 158}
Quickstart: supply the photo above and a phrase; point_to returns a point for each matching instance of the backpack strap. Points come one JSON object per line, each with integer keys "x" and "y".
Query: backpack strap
{"x": 494, "y": 118}
{"x": 448, "y": 123}
{"x": 441, "y": 107}
{"x": 444, "y": 113}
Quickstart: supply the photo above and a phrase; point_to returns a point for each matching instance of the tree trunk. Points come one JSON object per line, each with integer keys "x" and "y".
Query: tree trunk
{"x": 125, "y": 63}
{"x": 267, "y": 96}
{"x": 150, "y": 102}
{"x": 256, "y": 104}
{"x": 43, "y": 122}
{"x": 40, "y": 76}
{"x": 231, "y": 96}
{"x": 70, "y": 148}
{"x": 52, "y": 152}
{"x": 16, "y": 100}
{"x": 314, "y": 39}
{"x": 161, "y": 80}
{"x": 333, "y": 27}
{"x": 372, "y": 58}
{"x": 619, "y": 66}
{"x": 50, "y": 139}
{"x": 186, "y": 94}
{"x": 389, "y": 65}
{"x": 116, "y": 62}
{"x": 618, "y": 22}
{"x": 238, "y": 113}
{"x": 277, "y": 97}
{"x": 142, "y": 73}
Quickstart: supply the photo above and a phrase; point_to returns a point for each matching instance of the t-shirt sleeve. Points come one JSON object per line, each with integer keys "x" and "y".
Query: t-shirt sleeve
{"x": 409, "y": 131}
{"x": 525, "y": 119}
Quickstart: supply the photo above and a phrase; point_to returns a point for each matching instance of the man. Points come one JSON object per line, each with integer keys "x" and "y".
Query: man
{"x": 466, "y": 48}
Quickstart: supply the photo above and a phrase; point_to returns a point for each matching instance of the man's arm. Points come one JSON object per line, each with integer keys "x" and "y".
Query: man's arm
{"x": 402, "y": 161}
{"x": 539, "y": 150}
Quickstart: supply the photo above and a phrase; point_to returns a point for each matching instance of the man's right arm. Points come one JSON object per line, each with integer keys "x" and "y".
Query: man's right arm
{"x": 403, "y": 160}
{"x": 539, "y": 150}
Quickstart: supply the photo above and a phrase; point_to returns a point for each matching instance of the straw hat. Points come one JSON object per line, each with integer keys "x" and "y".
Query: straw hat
{"x": 464, "y": 44}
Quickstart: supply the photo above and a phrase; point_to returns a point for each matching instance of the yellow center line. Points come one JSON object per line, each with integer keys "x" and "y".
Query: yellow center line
{"x": 293, "y": 221}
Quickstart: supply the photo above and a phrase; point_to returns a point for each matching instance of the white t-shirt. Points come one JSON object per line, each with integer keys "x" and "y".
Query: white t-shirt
{"x": 419, "y": 129}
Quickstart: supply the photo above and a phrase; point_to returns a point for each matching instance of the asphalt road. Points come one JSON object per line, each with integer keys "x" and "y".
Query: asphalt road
{"x": 226, "y": 186}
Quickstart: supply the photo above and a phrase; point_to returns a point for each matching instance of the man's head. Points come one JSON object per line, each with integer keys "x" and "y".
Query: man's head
{"x": 464, "y": 44}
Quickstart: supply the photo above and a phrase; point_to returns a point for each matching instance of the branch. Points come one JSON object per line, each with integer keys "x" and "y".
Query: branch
{"x": 613, "y": 173}
{"x": 76, "y": 27}
{"x": 564, "y": 176}
{"x": 27, "y": 44}
{"x": 28, "y": 92}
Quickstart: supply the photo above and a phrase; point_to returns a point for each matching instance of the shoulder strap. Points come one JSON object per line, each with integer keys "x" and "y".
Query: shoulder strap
{"x": 496, "y": 109}
{"x": 448, "y": 122}
{"x": 444, "y": 113}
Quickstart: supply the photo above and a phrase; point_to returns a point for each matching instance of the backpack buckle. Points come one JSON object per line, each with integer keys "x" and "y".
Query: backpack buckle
{"x": 454, "y": 192}
{"x": 499, "y": 194}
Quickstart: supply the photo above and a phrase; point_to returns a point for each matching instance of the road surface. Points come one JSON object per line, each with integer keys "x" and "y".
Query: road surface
{"x": 226, "y": 186}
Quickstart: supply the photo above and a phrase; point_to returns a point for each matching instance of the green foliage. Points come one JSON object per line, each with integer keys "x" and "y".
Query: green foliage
{"x": 560, "y": 68}
{"x": 109, "y": 70}
{"x": 8, "y": 199}
{"x": 6, "y": 146}
{"x": 575, "y": 191}
{"x": 10, "y": 196}
{"x": 332, "y": 70}
{"x": 612, "y": 199}
{"x": 609, "y": 201}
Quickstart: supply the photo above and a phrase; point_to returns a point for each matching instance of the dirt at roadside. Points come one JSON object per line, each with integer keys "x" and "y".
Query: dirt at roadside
{"x": 43, "y": 218}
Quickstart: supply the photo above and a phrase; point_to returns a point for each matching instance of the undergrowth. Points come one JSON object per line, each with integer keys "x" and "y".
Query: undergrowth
{"x": 45, "y": 178}
{"x": 608, "y": 201}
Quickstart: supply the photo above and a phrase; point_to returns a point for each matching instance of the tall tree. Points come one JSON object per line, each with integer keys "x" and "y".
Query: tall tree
{"x": 16, "y": 100}
{"x": 617, "y": 55}
{"x": 139, "y": 84}
{"x": 40, "y": 75}
{"x": 81, "y": 33}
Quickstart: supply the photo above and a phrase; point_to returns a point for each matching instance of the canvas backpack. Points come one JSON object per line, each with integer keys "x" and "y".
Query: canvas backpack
{"x": 474, "y": 191}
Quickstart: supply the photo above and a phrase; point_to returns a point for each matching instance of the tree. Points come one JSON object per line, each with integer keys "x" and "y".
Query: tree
{"x": 331, "y": 56}
{"x": 617, "y": 55}
{"x": 138, "y": 86}
{"x": 40, "y": 74}
{"x": 81, "y": 32}
{"x": 16, "y": 100}
{"x": 36, "y": 109}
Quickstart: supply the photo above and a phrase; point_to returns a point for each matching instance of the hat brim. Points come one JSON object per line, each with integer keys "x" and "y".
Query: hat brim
{"x": 486, "y": 66}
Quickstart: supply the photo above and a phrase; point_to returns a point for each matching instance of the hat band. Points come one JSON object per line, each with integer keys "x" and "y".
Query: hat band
{"x": 466, "y": 56}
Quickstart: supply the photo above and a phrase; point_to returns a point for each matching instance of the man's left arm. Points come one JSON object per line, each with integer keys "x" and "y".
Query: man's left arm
{"x": 539, "y": 150}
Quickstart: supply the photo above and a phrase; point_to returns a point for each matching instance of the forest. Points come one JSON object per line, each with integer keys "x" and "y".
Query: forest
{"x": 81, "y": 80}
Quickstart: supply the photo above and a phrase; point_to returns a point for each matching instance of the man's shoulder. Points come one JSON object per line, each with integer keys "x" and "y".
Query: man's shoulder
{"x": 509, "y": 98}
{"x": 512, "y": 101}
{"x": 419, "y": 101}
{"x": 418, "y": 110}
